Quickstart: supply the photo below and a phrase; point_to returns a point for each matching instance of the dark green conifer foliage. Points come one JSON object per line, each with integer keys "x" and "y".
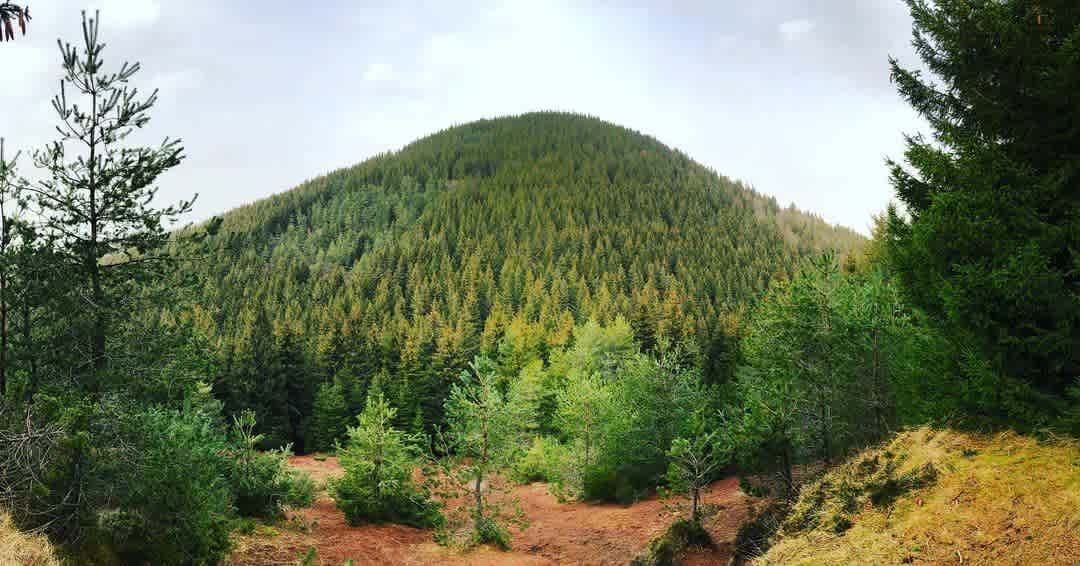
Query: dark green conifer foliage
{"x": 98, "y": 201}
{"x": 989, "y": 246}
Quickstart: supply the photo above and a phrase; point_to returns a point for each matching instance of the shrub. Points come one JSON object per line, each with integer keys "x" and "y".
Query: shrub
{"x": 682, "y": 534}
{"x": 262, "y": 482}
{"x": 490, "y": 531}
{"x": 379, "y": 460}
{"x": 545, "y": 461}
{"x": 173, "y": 502}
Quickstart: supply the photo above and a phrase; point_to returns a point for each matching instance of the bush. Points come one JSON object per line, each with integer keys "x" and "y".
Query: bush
{"x": 489, "y": 531}
{"x": 379, "y": 461}
{"x": 545, "y": 461}
{"x": 262, "y": 482}
{"x": 682, "y": 534}
{"x": 173, "y": 505}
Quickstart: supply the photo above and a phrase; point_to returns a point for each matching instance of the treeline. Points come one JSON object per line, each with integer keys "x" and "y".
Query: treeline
{"x": 403, "y": 268}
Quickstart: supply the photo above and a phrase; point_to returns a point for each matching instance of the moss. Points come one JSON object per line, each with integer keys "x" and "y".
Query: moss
{"x": 665, "y": 549}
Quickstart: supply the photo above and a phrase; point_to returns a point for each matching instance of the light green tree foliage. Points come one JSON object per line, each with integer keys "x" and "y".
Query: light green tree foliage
{"x": 825, "y": 355}
{"x": 484, "y": 435}
{"x": 583, "y": 406}
{"x": 588, "y": 368}
{"x": 533, "y": 396}
{"x": 637, "y": 425}
{"x": 699, "y": 449}
{"x": 262, "y": 481}
{"x": 379, "y": 461}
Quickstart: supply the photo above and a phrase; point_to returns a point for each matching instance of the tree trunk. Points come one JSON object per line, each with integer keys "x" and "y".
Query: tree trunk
{"x": 789, "y": 481}
{"x": 695, "y": 497}
{"x": 27, "y": 345}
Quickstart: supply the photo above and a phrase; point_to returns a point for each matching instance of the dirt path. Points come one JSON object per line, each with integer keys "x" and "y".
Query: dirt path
{"x": 558, "y": 533}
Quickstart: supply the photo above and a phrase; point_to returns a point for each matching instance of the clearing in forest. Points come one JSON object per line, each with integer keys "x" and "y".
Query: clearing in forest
{"x": 558, "y": 533}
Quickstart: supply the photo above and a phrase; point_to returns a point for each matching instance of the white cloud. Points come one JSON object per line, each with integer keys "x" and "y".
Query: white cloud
{"x": 379, "y": 72}
{"x": 793, "y": 30}
{"x": 446, "y": 50}
{"x": 127, "y": 13}
{"x": 174, "y": 81}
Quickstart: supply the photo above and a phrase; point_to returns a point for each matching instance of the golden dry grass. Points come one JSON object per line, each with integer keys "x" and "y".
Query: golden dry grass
{"x": 996, "y": 499}
{"x": 19, "y": 549}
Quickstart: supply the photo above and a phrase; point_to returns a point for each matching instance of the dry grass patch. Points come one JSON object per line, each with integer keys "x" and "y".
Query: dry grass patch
{"x": 941, "y": 496}
{"x": 19, "y": 549}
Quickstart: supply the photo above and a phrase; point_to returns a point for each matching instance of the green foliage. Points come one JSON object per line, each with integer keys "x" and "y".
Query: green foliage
{"x": 330, "y": 417}
{"x": 665, "y": 549}
{"x": 988, "y": 245}
{"x": 832, "y": 362}
{"x": 696, "y": 454}
{"x": 546, "y": 460}
{"x": 262, "y": 482}
{"x": 484, "y": 435}
{"x": 493, "y": 238}
{"x": 620, "y": 411}
{"x": 379, "y": 461}
{"x": 170, "y": 503}
{"x": 99, "y": 204}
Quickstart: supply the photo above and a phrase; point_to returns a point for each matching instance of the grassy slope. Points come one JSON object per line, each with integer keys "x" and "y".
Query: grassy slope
{"x": 992, "y": 499}
{"x": 17, "y": 548}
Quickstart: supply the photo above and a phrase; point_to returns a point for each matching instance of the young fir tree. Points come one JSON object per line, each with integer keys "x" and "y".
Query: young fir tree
{"x": 98, "y": 195}
{"x": 988, "y": 246}
{"x": 379, "y": 461}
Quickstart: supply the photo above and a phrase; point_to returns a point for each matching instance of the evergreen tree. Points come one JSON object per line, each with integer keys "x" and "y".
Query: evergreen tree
{"x": 379, "y": 460}
{"x": 329, "y": 419}
{"x": 99, "y": 203}
{"x": 988, "y": 246}
{"x": 483, "y": 435}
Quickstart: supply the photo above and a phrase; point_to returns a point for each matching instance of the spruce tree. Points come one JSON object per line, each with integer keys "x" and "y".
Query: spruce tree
{"x": 989, "y": 242}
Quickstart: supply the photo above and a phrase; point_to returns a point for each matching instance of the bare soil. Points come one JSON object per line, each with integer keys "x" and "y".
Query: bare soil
{"x": 558, "y": 533}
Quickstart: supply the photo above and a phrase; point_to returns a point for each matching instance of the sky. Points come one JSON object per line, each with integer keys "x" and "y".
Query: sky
{"x": 792, "y": 97}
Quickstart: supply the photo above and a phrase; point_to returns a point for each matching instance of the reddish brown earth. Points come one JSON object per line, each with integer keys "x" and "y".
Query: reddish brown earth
{"x": 558, "y": 533}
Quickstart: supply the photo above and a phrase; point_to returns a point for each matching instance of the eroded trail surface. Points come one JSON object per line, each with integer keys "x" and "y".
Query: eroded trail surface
{"x": 558, "y": 533}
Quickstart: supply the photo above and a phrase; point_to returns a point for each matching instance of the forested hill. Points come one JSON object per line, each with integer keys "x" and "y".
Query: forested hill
{"x": 497, "y": 236}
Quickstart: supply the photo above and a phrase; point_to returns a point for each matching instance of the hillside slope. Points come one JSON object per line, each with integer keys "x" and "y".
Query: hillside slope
{"x": 405, "y": 266}
{"x": 941, "y": 496}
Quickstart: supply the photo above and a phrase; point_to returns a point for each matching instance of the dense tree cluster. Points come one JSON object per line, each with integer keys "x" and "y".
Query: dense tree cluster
{"x": 110, "y": 439}
{"x": 500, "y": 232}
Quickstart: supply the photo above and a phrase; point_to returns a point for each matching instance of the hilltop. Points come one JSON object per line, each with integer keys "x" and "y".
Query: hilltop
{"x": 405, "y": 266}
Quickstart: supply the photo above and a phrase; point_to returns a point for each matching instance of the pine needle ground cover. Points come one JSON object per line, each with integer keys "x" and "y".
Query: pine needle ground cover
{"x": 937, "y": 496}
